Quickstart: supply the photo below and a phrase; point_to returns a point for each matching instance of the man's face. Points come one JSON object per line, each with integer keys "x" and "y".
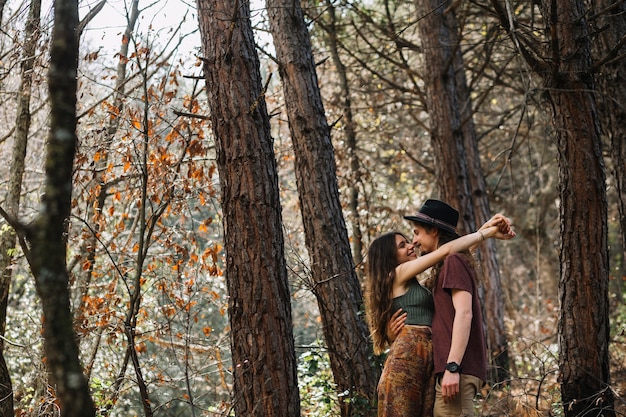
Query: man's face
{"x": 423, "y": 240}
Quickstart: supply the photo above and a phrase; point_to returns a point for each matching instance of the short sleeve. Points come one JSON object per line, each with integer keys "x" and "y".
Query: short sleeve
{"x": 457, "y": 274}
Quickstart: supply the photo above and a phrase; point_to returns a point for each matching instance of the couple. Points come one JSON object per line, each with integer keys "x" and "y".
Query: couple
{"x": 437, "y": 358}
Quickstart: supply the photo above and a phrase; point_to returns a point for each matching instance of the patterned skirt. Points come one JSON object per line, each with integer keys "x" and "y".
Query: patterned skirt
{"x": 407, "y": 384}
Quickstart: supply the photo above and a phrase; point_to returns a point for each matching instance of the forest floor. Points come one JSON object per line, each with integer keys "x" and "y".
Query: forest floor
{"x": 541, "y": 398}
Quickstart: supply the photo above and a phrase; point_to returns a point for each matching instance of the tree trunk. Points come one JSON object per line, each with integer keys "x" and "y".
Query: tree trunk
{"x": 345, "y": 104}
{"x": 458, "y": 170}
{"x": 12, "y": 201}
{"x": 611, "y": 21}
{"x": 583, "y": 285}
{"x": 335, "y": 283}
{"x": 262, "y": 344}
{"x": 47, "y": 234}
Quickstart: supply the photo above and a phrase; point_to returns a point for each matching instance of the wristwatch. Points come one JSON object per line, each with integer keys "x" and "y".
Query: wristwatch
{"x": 453, "y": 367}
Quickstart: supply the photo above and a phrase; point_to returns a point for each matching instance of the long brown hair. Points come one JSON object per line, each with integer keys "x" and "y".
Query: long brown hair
{"x": 382, "y": 259}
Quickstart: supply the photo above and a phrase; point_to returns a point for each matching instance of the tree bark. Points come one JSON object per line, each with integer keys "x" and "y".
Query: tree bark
{"x": 611, "y": 25}
{"x": 335, "y": 283}
{"x": 458, "y": 171}
{"x": 569, "y": 87}
{"x": 350, "y": 135}
{"x": 12, "y": 201}
{"x": 583, "y": 284}
{"x": 262, "y": 344}
{"x": 47, "y": 234}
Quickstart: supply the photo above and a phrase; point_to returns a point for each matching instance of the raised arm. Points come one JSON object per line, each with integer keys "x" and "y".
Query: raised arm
{"x": 497, "y": 227}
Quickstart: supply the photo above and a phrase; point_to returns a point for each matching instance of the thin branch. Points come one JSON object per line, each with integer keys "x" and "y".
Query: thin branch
{"x": 22, "y": 231}
{"x": 89, "y": 17}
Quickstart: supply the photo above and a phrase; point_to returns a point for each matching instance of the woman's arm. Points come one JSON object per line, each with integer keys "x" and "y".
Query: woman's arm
{"x": 410, "y": 269}
{"x": 497, "y": 227}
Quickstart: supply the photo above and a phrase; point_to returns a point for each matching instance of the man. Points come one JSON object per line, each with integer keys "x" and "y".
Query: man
{"x": 459, "y": 353}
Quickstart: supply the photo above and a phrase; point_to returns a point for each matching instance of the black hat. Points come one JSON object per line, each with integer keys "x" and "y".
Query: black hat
{"x": 438, "y": 214}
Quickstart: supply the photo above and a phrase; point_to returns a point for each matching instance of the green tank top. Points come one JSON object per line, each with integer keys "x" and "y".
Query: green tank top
{"x": 418, "y": 303}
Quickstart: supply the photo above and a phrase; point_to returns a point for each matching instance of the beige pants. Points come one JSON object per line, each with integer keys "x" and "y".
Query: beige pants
{"x": 463, "y": 404}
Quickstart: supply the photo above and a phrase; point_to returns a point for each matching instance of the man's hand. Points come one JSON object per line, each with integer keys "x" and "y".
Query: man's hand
{"x": 395, "y": 325}
{"x": 450, "y": 383}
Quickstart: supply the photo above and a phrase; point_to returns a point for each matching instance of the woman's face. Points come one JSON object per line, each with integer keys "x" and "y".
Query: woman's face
{"x": 404, "y": 250}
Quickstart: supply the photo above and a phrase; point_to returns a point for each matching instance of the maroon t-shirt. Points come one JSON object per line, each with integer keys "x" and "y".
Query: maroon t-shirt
{"x": 457, "y": 273}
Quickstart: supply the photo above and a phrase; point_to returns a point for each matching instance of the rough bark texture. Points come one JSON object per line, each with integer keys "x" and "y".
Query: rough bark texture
{"x": 609, "y": 51}
{"x": 12, "y": 201}
{"x": 458, "y": 170}
{"x": 335, "y": 283}
{"x": 48, "y": 247}
{"x": 583, "y": 285}
{"x": 263, "y": 355}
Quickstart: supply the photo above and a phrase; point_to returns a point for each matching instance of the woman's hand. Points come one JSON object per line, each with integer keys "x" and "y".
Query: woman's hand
{"x": 498, "y": 227}
{"x": 395, "y": 325}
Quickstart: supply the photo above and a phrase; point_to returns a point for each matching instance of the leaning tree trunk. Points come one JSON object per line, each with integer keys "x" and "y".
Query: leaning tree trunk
{"x": 47, "y": 233}
{"x": 609, "y": 50}
{"x": 12, "y": 199}
{"x": 458, "y": 170}
{"x": 262, "y": 344}
{"x": 335, "y": 283}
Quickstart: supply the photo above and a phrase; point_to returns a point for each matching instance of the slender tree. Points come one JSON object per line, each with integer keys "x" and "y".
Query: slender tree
{"x": 47, "y": 233}
{"x": 334, "y": 280}
{"x": 12, "y": 200}
{"x": 330, "y": 24}
{"x": 262, "y": 343}
{"x": 566, "y": 68}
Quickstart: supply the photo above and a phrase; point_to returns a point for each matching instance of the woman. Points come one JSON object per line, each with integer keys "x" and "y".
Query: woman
{"x": 406, "y": 386}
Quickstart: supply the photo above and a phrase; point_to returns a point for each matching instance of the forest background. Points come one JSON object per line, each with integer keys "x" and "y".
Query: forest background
{"x": 147, "y": 257}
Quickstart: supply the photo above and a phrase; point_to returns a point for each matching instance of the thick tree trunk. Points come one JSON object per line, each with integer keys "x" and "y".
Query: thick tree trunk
{"x": 458, "y": 170}
{"x": 48, "y": 253}
{"x": 583, "y": 284}
{"x": 12, "y": 200}
{"x": 262, "y": 344}
{"x": 335, "y": 283}
{"x": 611, "y": 21}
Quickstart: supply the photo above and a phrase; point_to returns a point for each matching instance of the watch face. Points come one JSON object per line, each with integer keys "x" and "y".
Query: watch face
{"x": 453, "y": 367}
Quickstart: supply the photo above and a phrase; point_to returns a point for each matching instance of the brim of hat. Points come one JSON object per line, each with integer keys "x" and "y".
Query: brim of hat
{"x": 448, "y": 229}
